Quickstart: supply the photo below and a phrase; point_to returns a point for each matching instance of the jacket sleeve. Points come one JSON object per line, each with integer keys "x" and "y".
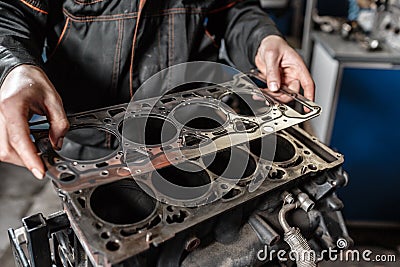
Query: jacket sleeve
{"x": 244, "y": 26}
{"x": 22, "y": 33}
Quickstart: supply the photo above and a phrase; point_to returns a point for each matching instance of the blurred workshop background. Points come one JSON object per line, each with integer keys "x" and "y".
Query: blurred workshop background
{"x": 358, "y": 88}
{"x": 354, "y": 56}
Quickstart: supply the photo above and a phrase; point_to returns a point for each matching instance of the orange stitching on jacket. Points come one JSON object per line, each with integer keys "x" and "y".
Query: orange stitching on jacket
{"x": 159, "y": 47}
{"x": 63, "y": 32}
{"x": 173, "y": 39}
{"x": 117, "y": 56}
{"x": 34, "y": 7}
{"x": 169, "y": 40}
{"x": 188, "y": 10}
{"x": 60, "y": 39}
{"x": 87, "y": 3}
{"x": 131, "y": 15}
{"x": 208, "y": 34}
{"x": 224, "y": 7}
{"x": 172, "y": 10}
{"x": 100, "y": 18}
{"x": 141, "y": 5}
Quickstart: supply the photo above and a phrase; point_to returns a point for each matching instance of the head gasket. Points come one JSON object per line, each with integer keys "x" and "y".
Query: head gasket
{"x": 112, "y": 143}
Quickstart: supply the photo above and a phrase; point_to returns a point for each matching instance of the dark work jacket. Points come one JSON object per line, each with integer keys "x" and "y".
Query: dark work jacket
{"x": 98, "y": 52}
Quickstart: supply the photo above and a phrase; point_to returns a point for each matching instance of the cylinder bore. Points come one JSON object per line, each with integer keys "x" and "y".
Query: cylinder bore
{"x": 285, "y": 150}
{"x": 88, "y": 144}
{"x": 231, "y": 163}
{"x": 122, "y": 202}
{"x": 200, "y": 116}
{"x": 148, "y": 130}
{"x": 185, "y": 181}
{"x": 247, "y": 103}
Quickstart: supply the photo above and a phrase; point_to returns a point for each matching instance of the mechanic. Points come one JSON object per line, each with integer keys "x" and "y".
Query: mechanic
{"x": 87, "y": 54}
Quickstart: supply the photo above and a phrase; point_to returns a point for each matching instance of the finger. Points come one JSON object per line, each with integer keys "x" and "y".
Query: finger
{"x": 279, "y": 96}
{"x": 10, "y": 156}
{"x": 257, "y": 97}
{"x": 7, "y": 153}
{"x": 309, "y": 90}
{"x": 272, "y": 70}
{"x": 58, "y": 122}
{"x": 307, "y": 83}
{"x": 294, "y": 85}
{"x": 19, "y": 139}
{"x": 272, "y": 94}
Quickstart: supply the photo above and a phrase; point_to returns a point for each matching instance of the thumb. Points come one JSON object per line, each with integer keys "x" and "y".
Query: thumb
{"x": 272, "y": 71}
{"x": 58, "y": 122}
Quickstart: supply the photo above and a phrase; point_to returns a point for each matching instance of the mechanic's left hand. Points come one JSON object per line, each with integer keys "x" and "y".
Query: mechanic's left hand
{"x": 281, "y": 65}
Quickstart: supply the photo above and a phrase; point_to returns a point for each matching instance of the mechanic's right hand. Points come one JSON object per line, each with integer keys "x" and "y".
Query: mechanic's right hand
{"x": 26, "y": 91}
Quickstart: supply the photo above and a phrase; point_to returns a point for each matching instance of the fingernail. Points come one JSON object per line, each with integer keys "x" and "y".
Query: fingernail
{"x": 273, "y": 86}
{"x": 60, "y": 143}
{"x": 38, "y": 174}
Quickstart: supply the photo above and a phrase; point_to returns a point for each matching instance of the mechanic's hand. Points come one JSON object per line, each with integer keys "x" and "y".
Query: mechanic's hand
{"x": 27, "y": 91}
{"x": 281, "y": 65}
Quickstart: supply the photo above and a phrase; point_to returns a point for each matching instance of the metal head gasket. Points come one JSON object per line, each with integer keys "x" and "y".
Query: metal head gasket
{"x": 112, "y": 143}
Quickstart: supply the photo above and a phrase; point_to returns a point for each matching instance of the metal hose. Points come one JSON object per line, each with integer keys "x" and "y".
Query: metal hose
{"x": 305, "y": 256}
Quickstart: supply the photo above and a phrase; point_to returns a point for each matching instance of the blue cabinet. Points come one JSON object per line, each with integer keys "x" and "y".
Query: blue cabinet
{"x": 367, "y": 131}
